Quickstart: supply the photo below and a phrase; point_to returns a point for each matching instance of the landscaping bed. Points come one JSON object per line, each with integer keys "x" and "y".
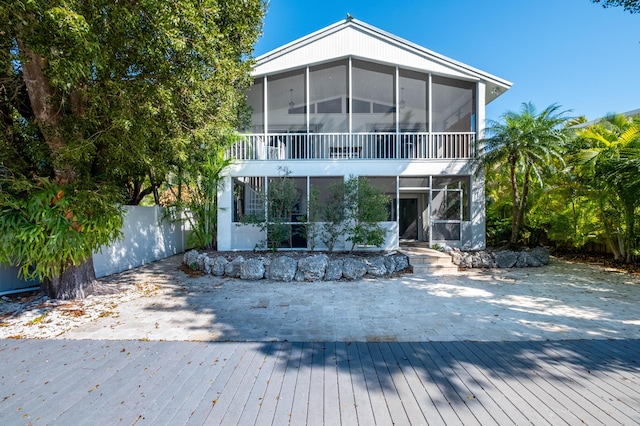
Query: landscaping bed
{"x": 297, "y": 265}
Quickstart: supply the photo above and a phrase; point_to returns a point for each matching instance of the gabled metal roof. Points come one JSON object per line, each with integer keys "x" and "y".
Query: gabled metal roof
{"x": 351, "y": 37}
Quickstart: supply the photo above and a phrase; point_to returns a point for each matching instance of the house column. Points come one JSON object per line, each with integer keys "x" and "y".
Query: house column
{"x": 225, "y": 213}
{"x": 478, "y": 209}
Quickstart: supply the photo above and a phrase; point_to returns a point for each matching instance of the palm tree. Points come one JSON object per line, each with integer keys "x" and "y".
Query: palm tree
{"x": 526, "y": 143}
{"x": 610, "y": 163}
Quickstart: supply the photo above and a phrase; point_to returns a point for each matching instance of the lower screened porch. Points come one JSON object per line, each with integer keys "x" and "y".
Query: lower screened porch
{"x": 436, "y": 209}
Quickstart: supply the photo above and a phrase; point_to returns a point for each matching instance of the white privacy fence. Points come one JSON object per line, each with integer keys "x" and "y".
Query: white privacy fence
{"x": 147, "y": 238}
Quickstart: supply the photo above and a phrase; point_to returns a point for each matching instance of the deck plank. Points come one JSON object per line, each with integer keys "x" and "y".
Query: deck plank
{"x": 343, "y": 374}
{"x": 331, "y": 410}
{"x": 192, "y": 404}
{"x": 177, "y": 383}
{"x": 257, "y": 398}
{"x": 127, "y": 389}
{"x": 413, "y": 377}
{"x": 285, "y": 398}
{"x": 271, "y": 398}
{"x": 549, "y": 404}
{"x": 377, "y": 397}
{"x": 361, "y": 394}
{"x": 590, "y": 397}
{"x": 480, "y": 390}
{"x": 238, "y": 381}
{"x": 35, "y": 379}
{"x": 315, "y": 408}
{"x": 506, "y": 397}
{"x": 242, "y": 383}
{"x": 401, "y": 374}
{"x": 388, "y": 378}
{"x": 178, "y": 380}
{"x": 556, "y": 385}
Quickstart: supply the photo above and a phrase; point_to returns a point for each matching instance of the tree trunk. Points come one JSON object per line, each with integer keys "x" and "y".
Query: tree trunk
{"x": 515, "y": 225}
{"x": 630, "y": 219}
{"x": 75, "y": 282}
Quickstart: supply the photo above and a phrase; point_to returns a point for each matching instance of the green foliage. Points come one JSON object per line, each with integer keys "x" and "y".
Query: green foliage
{"x": 98, "y": 94}
{"x": 312, "y": 229}
{"x": 200, "y": 181}
{"x": 281, "y": 200}
{"x": 47, "y": 228}
{"x": 631, "y": 6}
{"x": 333, "y": 216}
{"x": 606, "y": 161}
{"x": 365, "y": 206}
{"x": 526, "y": 145}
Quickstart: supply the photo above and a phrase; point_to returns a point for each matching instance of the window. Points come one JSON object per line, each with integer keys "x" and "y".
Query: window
{"x": 373, "y": 97}
{"x": 286, "y": 97}
{"x": 255, "y": 100}
{"x": 328, "y": 91}
{"x": 248, "y": 197}
{"x": 414, "y": 106}
{"x": 386, "y": 184}
{"x": 454, "y": 105}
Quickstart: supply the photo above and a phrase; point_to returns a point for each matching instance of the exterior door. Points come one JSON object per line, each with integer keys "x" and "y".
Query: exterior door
{"x": 408, "y": 218}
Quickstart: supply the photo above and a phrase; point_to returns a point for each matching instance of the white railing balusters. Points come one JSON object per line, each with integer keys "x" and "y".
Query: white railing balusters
{"x": 391, "y": 146}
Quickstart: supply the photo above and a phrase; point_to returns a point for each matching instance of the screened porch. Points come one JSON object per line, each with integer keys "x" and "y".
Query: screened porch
{"x": 356, "y": 109}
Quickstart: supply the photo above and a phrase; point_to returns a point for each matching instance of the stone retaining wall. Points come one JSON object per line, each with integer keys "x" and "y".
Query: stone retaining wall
{"x": 538, "y": 256}
{"x": 311, "y": 267}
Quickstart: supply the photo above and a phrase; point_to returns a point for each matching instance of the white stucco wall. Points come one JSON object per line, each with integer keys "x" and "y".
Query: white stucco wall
{"x": 146, "y": 239}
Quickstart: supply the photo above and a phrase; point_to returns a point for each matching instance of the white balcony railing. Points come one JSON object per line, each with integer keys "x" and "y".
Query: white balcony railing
{"x": 335, "y": 146}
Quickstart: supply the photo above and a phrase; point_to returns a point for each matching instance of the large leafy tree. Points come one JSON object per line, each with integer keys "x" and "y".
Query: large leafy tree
{"x": 98, "y": 99}
{"x": 525, "y": 145}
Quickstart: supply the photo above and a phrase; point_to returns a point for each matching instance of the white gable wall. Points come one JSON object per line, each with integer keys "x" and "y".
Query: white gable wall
{"x": 358, "y": 43}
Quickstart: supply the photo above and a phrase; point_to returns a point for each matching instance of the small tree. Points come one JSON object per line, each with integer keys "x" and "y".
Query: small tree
{"x": 524, "y": 144}
{"x": 312, "y": 228}
{"x": 366, "y": 206}
{"x": 197, "y": 191}
{"x": 281, "y": 200}
{"x": 333, "y": 216}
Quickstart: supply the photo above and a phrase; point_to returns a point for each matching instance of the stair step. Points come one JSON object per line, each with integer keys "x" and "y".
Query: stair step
{"x": 427, "y": 261}
{"x": 435, "y": 269}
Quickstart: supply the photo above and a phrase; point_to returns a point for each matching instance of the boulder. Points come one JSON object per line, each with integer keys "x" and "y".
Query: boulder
{"x": 482, "y": 259}
{"x": 353, "y": 269}
{"x": 190, "y": 258}
{"x": 312, "y": 268}
{"x": 203, "y": 263}
{"x": 390, "y": 264}
{"x": 456, "y": 257}
{"x": 375, "y": 267}
{"x": 541, "y": 256}
{"x": 282, "y": 268}
{"x": 218, "y": 266}
{"x": 402, "y": 262}
{"x": 506, "y": 259}
{"x": 466, "y": 260}
{"x": 334, "y": 270}
{"x": 523, "y": 259}
{"x": 252, "y": 269}
{"x": 232, "y": 269}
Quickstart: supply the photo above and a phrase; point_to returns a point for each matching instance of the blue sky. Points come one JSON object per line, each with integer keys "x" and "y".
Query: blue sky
{"x": 571, "y": 52}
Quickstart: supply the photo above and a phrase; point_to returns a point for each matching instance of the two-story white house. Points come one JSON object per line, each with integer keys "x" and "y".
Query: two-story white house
{"x": 353, "y": 100}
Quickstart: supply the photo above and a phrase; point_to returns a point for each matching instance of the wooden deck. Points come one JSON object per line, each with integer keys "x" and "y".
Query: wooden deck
{"x": 175, "y": 383}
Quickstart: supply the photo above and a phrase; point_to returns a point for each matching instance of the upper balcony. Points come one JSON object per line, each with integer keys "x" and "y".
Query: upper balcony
{"x": 341, "y": 146}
